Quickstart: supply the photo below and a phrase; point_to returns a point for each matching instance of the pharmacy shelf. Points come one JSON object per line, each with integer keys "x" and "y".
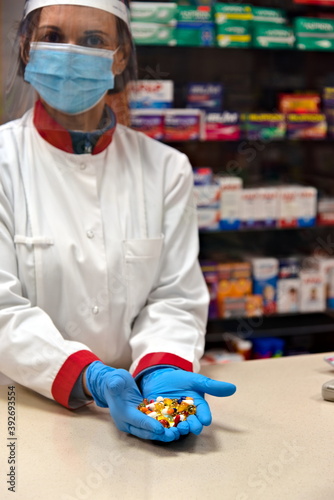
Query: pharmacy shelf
{"x": 243, "y": 140}
{"x": 279, "y": 325}
{"x": 216, "y": 232}
{"x": 289, "y": 50}
{"x": 222, "y": 246}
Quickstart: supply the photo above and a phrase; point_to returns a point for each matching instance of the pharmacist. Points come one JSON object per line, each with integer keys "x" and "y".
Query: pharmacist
{"x": 101, "y": 293}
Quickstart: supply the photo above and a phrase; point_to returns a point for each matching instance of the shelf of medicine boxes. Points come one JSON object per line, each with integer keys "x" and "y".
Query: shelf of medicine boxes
{"x": 252, "y": 78}
{"x": 278, "y": 325}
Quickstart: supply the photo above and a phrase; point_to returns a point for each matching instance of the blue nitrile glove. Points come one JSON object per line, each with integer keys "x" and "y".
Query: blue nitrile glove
{"x": 116, "y": 389}
{"x": 175, "y": 383}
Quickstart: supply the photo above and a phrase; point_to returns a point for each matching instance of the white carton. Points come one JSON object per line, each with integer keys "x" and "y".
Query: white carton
{"x": 208, "y": 218}
{"x": 250, "y": 208}
{"x": 230, "y": 192}
{"x": 206, "y": 196}
{"x": 307, "y": 206}
{"x": 269, "y": 206}
{"x": 288, "y": 210}
{"x": 288, "y": 295}
{"x": 312, "y": 292}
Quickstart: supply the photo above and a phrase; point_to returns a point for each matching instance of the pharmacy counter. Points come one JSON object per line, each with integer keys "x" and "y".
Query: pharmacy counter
{"x": 272, "y": 440}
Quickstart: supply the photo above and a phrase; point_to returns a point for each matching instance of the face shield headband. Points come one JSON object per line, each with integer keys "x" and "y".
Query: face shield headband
{"x": 116, "y": 7}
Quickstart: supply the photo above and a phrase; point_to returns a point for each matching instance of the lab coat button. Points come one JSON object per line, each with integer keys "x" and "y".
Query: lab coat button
{"x": 82, "y": 166}
{"x": 90, "y": 234}
{"x": 96, "y": 310}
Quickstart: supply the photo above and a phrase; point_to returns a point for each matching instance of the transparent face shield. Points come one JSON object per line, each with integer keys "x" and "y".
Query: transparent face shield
{"x": 72, "y": 57}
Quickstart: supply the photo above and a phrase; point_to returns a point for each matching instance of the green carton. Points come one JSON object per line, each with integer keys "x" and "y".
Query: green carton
{"x": 314, "y": 33}
{"x": 194, "y": 14}
{"x": 153, "y": 12}
{"x": 234, "y": 34}
{"x": 271, "y": 36}
{"x": 224, "y": 12}
{"x": 265, "y": 15}
{"x": 153, "y": 34}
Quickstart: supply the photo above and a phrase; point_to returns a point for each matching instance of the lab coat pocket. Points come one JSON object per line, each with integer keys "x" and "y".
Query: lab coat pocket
{"x": 29, "y": 251}
{"x": 142, "y": 258}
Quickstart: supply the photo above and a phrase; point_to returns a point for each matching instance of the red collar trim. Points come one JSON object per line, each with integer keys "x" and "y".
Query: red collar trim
{"x": 59, "y": 137}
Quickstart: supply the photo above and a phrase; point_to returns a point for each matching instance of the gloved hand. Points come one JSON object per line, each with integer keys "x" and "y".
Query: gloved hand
{"x": 116, "y": 389}
{"x": 174, "y": 383}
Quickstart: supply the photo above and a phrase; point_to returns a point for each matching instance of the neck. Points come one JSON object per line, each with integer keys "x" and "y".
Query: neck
{"x": 83, "y": 122}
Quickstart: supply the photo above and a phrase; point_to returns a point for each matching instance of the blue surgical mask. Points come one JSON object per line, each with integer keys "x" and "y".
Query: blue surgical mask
{"x": 70, "y": 78}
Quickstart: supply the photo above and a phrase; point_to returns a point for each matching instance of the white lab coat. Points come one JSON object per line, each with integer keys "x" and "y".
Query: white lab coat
{"x": 97, "y": 253}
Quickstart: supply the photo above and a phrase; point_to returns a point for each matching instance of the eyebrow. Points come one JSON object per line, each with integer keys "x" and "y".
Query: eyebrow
{"x": 87, "y": 32}
{"x": 93, "y": 32}
{"x": 48, "y": 26}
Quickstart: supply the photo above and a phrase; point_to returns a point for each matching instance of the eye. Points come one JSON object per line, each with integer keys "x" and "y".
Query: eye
{"x": 93, "y": 41}
{"x": 50, "y": 37}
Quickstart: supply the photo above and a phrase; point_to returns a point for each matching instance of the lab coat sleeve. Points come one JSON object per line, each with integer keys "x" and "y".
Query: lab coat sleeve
{"x": 32, "y": 351}
{"x": 170, "y": 329}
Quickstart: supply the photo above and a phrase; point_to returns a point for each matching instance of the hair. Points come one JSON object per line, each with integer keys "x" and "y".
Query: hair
{"x": 26, "y": 29}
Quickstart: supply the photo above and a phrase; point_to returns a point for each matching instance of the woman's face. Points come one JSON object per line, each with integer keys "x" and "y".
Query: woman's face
{"x": 88, "y": 27}
{"x": 77, "y": 25}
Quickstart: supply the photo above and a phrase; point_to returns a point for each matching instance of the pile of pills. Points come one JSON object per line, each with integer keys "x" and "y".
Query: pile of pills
{"x": 169, "y": 412}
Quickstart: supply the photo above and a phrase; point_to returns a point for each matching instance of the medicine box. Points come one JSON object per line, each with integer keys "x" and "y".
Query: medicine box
{"x": 250, "y": 208}
{"x": 222, "y": 126}
{"x": 195, "y": 34}
{"x": 306, "y": 125}
{"x": 325, "y": 211}
{"x": 234, "y": 34}
{"x": 289, "y": 267}
{"x": 314, "y": 33}
{"x": 307, "y": 206}
{"x": 148, "y": 121}
{"x": 151, "y": 94}
{"x": 229, "y": 11}
{"x": 265, "y": 274}
{"x": 328, "y": 98}
{"x": 240, "y": 307}
{"x": 234, "y": 279}
{"x": 153, "y": 34}
{"x": 205, "y": 96}
{"x": 271, "y": 36}
{"x": 288, "y": 295}
{"x": 208, "y": 218}
{"x": 299, "y": 103}
{"x": 330, "y": 289}
{"x": 312, "y": 292}
{"x": 209, "y": 271}
{"x": 203, "y": 176}
{"x": 288, "y": 210}
{"x": 207, "y": 195}
{"x": 183, "y": 124}
{"x": 264, "y": 126}
{"x": 267, "y": 15}
{"x": 195, "y": 26}
{"x": 230, "y": 195}
{"x": 153, "y": 12}
{"x": 268, "y": 202}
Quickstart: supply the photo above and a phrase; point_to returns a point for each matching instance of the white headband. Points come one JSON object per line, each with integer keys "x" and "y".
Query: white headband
{"x": 116, "y": 7}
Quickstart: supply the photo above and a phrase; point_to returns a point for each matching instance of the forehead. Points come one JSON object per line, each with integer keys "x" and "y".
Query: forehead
{"x": 75, "y": 16}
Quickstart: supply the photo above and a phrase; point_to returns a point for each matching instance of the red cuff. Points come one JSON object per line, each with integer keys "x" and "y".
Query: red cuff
{"x": 68, "y": 374}
{"x": 162, "y": 358}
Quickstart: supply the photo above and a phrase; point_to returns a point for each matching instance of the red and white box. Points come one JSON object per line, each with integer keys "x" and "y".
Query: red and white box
{"x": 312, "y": 292}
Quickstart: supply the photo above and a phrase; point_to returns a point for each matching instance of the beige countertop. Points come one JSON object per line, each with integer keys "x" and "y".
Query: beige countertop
{"x": 272, "y": 440}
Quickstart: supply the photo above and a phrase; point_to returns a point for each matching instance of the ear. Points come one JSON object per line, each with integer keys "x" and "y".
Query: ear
{"x": 121, "y": 59}
{"x": 24, "y": 50}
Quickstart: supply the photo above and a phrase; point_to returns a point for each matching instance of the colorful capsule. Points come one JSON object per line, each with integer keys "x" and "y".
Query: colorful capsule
{"x": 170, "y": 412}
